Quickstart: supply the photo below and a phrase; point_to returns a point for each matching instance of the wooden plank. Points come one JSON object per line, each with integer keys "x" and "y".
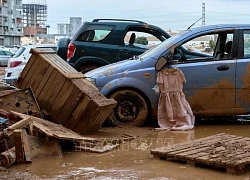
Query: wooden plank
{"x": 69, "y": 106}
{"x": 54, "y": 89}
{"x": 29, "y": 78}
{"x": 61, "y": 64}
{"x": 22, "y": 101}
{"x": 43, "y": 81}
{"x": 22, "y": 148}
{"x": 86, "y": 123}
{"x": 25, "y": 71}
{"x": 19, "y": 125}
{"x": 42, "y": 51}
{"x": 63, "y": 95}
{"x": 7, "y": 158}
{"x": 39, "y": 74}
{"x": 77, "y": 113}
{"x": 46, "y": 89}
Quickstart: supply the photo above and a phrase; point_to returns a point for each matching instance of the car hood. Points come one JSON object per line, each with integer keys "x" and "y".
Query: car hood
{"x": 119, "y": 67}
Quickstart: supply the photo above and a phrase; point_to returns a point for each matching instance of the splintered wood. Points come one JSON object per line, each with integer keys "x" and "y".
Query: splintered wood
{"x": 221, "y": 150}
{"x": 64, "y": 93}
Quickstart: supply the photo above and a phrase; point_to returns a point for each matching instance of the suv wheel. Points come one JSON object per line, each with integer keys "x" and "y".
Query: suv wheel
{"x": 131, "y": 109}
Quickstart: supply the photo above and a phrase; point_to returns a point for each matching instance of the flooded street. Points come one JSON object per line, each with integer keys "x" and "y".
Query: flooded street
{"x": 132, "y": 160}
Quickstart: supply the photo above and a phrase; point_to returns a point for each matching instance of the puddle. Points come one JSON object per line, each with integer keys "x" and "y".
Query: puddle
{"x": 132, "y": 160}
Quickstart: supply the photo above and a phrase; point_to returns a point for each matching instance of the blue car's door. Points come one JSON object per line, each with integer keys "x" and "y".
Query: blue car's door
{"x": 210, "y": 87}
{"x": 243, "y": 73}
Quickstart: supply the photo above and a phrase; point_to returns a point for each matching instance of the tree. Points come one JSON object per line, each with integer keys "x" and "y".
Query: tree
{"x": 141, "y": 40}
{"x": 211, "y": 44}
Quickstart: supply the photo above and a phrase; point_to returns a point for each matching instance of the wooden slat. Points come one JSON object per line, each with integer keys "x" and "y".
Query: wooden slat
{"x": 25, "y": 71}
{"x": 56, "y": 107}
{"x": 27, "y": 74}
{"x": 69, "y": 106}
{"x": 46, "y": 89}
{"x": 43, "y": 81}
{"x": 77, "y": 113}
{"x": 39, "y": 74}
{"x": 54, "y": 88}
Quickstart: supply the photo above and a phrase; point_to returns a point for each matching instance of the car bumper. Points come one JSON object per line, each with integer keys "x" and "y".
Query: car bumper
{"x": 11, "y": 81}
{"x": 12, "y": 74}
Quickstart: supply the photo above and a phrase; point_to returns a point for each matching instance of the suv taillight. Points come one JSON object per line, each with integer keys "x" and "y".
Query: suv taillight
{"x": 15, "y": 63}
{"x": 71, "y": 50}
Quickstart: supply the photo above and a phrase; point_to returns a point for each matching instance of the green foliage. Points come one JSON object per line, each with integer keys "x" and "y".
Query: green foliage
{"x": 141, "y": 40}
{"x": 211, "y": 44}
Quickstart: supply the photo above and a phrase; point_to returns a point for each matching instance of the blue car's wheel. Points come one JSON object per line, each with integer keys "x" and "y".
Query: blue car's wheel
{"x": 131, "y": 109}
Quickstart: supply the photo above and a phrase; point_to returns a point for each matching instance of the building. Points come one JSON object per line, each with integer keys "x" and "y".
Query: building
{"x": 11, "y": 26}
{"x": 63, "y": 28}
{"x": 75, "y": 24}
{"x": 34, "y": 17}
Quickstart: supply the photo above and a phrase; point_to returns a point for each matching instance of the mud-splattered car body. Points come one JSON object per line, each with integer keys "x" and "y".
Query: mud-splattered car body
{"x": 215, "y": 86}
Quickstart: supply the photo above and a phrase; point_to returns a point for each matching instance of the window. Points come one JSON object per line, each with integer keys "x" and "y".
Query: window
{"x": 208, "y": 47}
{"x": 247, "y": 44}
{"x": 95, "y": 33}
{"x": 204, "y": 44}
{"x": 2, "y": 53}
{"x": 8, "y": 53}
{"x": 141, "y": 37}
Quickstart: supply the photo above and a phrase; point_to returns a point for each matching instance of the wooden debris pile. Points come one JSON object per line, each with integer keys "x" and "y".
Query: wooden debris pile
{"x": 32, "y": 137}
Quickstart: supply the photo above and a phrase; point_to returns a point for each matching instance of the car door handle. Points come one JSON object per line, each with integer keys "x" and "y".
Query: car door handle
{"x": 223, "y": 67}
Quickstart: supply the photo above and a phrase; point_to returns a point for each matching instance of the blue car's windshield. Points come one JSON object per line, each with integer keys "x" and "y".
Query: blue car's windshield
{"x": 164, "y": 45}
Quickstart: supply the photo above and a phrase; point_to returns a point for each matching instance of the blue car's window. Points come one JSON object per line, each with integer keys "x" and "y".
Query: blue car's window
{"x": 247, "y": 44}
{"x": 164, "y": 45}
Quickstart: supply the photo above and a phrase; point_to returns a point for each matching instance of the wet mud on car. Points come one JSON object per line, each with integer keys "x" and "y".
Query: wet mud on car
{"x": 133, "y": 160}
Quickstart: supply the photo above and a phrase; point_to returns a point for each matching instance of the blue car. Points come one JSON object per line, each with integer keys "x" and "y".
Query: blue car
{"x": 218, "y": 77}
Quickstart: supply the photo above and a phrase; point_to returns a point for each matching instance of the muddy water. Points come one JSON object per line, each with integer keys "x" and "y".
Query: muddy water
{"x": 132, "y": 160}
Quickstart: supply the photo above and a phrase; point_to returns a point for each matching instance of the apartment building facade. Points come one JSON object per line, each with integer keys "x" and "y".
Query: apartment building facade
{"x": 11, "y": 25}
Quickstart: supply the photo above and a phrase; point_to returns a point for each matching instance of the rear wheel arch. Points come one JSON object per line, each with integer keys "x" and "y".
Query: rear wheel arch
{"x": 92, "y": 62}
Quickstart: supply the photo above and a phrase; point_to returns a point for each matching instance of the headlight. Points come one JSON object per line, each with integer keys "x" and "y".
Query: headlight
{"x": 92, "y": 80}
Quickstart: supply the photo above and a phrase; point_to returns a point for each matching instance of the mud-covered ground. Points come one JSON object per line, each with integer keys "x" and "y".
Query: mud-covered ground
{"x": 133, "y": 159}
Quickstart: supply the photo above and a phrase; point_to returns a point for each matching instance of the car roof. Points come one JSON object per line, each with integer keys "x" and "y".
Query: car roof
{"x": 122, "y": 22}
{"x": 220, "y": 26}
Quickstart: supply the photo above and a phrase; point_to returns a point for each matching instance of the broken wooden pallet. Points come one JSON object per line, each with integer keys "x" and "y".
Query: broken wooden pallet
{"x": 64, "y": 93}
{"x": 221, "y": 150}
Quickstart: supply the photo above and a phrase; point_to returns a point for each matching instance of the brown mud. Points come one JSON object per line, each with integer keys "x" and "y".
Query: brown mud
{"x": 132, "y": 160}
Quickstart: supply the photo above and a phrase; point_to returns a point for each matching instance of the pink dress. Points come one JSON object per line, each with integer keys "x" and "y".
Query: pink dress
{"x": 174, "y": 112}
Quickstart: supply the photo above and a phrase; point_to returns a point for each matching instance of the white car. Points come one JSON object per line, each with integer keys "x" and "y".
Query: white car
{"x": 17, "y": 63}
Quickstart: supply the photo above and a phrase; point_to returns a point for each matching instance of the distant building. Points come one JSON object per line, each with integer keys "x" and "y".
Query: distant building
{"x": 34, "y": 17}
{"x": 11, "y": 26}
{"x": 75, "y": 24}
{"x": 63, "y": 28}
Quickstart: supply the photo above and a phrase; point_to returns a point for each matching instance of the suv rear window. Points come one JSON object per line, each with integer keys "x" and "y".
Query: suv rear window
{"x": 95, "y": 33}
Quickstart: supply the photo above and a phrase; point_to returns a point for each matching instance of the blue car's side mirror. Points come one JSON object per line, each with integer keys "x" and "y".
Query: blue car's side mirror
{"x": 161, "y": 62}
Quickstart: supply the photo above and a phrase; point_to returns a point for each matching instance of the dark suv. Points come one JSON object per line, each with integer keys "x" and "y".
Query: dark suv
{"x": 105, "y": 41}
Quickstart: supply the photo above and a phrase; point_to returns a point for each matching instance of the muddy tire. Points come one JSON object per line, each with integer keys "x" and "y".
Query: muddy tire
{"x": 87, "y": 67}
{"x": 131, "y": 109}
